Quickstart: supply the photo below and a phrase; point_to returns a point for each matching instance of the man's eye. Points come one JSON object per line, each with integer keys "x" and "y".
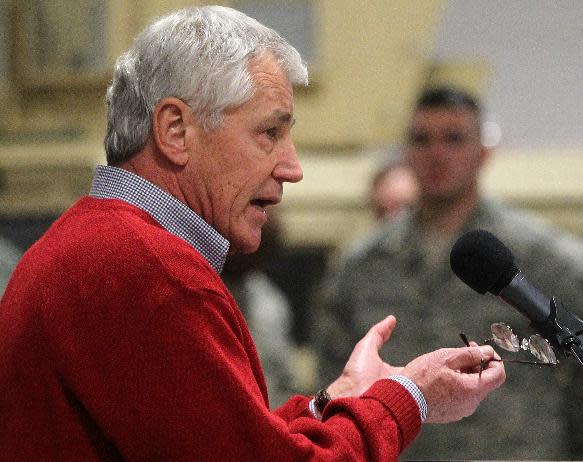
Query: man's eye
{"x": 419, "y": 139}
{"x": 271, "y": 132}
{"x": 455, "y": 138}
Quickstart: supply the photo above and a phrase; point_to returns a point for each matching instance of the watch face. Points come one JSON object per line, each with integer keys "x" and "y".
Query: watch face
{"x": 321, "y": 398}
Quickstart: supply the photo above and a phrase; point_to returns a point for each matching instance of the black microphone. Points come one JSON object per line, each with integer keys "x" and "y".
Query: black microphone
{"x": 485, "y": 264}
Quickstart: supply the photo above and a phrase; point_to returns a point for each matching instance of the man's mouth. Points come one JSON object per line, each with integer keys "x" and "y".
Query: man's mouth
{"x": 263, "y": 203}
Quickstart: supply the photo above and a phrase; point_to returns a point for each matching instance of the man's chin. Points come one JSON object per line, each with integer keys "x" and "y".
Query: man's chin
{"x": 440, "y": 196}
{"x": 245, "y": 246}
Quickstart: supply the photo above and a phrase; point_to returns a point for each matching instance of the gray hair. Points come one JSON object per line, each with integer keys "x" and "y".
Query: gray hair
{"x": 199, "y": 55}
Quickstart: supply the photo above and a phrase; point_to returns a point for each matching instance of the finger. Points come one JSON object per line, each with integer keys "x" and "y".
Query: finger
{"x": 470, "y": 357}
{"x": 483, "y": 363}
{"x": 488, "y": 352}
{"x": 374, "y": 339}
{"x": 381, "y": 332}
{"x": 493, "y": 375}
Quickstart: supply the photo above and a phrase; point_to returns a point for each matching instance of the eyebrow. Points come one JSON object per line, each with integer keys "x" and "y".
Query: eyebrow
{"x": 285, "y": 117}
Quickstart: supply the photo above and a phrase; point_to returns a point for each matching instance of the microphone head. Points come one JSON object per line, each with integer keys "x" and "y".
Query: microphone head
{"x": 483, "y": 262}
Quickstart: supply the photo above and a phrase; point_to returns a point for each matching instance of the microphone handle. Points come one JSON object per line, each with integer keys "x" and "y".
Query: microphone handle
{"x": 577, "y": 352}
{"x": 563, "y": 329}
{"x": 526, "y": 298}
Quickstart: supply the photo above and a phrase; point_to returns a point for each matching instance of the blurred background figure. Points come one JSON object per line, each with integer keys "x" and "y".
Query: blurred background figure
{"x": 267, "y": 311}
{"x": 9, "y": 256}
{"x": 402, "y": 267}
{"x": 393, "y": 188}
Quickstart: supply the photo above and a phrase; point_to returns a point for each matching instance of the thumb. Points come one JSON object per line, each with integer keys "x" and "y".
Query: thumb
{"x": 381, "y": 332}
{"x": 470, "y": 357}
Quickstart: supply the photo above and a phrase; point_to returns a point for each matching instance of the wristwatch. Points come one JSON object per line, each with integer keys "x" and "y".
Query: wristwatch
{"x": 321, "y": 398}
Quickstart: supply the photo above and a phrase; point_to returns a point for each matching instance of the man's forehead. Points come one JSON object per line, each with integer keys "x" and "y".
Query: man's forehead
{"x": 443, "y": 117}
{"x": 273, "y": 95}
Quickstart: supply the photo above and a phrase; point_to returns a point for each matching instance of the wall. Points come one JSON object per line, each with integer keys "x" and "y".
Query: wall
{"x": 369, "y": 64}
{"x": 534, "y": 50}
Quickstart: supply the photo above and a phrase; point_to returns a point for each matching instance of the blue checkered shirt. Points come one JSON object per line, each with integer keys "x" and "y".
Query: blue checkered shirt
{"x": 174, "y": 216}
{"x": 415, "y": 392}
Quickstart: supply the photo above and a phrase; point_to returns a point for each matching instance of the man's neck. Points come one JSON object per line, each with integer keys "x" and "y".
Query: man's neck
{"x": 445, "y": 217}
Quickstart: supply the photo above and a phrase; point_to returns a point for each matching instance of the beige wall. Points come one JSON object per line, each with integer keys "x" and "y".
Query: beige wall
{"x": 370, "y": 63}
{"x": 366, "y": 72}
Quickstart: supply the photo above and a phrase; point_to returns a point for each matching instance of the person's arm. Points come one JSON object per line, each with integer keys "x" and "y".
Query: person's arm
{"x": 449, "y": 378}
{"x": 178, "y": 380}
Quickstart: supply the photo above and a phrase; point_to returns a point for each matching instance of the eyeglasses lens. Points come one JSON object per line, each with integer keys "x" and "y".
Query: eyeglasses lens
{"x": 504, "y": 337}
{"x": 541, "y": 349}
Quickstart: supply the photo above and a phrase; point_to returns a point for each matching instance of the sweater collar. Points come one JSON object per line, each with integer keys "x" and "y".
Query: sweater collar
{"x": 173, "y": 215}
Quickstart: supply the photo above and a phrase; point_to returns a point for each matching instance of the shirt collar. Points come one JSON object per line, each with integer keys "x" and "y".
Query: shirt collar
{"x": 173, "y": 215}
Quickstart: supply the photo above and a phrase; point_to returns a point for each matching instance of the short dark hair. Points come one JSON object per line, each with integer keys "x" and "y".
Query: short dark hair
{"x": 448, "y": 97}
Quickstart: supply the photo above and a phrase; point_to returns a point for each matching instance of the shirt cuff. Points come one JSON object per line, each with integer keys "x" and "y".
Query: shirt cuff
{"x": 412, "y": 388}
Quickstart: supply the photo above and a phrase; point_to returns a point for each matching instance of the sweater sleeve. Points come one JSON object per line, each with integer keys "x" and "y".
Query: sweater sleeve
{"x": 177, "y": 381}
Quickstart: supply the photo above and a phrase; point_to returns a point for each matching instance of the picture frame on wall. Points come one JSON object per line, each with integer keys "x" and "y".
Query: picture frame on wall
{"x": 60, "y": 43}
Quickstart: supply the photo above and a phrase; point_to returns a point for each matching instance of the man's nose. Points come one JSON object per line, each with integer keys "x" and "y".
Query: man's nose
{"x": 439, "y": 148}
{"x": 288, "y": 168}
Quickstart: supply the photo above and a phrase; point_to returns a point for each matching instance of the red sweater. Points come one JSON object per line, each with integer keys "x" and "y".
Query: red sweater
{"x": 119, "y": 341}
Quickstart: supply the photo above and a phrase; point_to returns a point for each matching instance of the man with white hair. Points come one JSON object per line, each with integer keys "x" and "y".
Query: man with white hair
{"x": 119, "y": 339}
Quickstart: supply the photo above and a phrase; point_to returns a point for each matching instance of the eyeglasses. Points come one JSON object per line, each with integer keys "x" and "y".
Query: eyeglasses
{"x": 504, "y": 337}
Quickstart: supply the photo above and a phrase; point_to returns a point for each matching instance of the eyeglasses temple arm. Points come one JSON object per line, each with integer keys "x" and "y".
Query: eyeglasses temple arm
{"x": 520, "y": 361}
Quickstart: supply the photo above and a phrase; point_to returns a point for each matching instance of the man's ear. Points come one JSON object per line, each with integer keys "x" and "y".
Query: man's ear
{"x": 169, "y": 128}
{"x": 485, "y": 155}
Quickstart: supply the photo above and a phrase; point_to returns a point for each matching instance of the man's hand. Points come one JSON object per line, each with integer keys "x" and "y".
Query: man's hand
{"x": 451, "y": 381}
{"x": 365, "y": 366}
{"x": 449, "y": 378}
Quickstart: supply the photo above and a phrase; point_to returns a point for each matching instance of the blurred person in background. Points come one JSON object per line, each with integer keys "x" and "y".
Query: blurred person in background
{"x": 403, "y": 268}
{"x": 393, "y": 188}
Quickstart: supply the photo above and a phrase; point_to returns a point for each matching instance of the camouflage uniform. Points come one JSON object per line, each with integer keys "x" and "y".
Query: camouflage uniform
{"x": 388, "y": 273}
{"x": 9, "y": 256}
